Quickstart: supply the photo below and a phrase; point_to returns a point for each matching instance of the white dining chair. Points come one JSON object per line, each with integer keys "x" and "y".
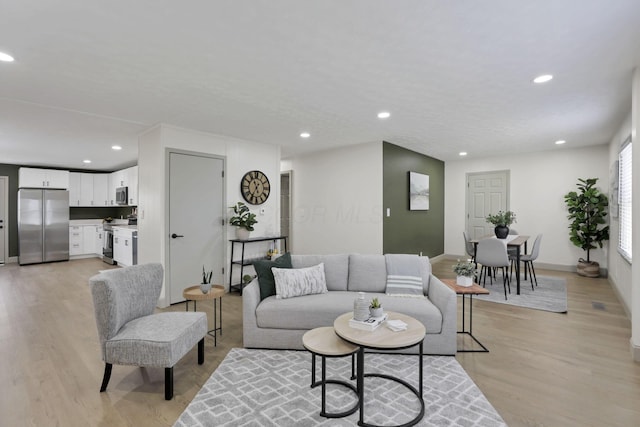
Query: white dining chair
{"x": 528, "y": 259}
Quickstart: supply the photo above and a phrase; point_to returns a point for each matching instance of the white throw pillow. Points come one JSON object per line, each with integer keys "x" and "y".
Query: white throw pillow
{"x": 295, "y": 282}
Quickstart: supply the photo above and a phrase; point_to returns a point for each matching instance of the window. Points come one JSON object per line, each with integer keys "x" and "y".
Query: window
{"x": 624, "y": 201}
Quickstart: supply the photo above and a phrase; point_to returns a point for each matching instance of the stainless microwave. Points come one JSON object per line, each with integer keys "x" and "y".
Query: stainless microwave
{"x": 122, "y": 196}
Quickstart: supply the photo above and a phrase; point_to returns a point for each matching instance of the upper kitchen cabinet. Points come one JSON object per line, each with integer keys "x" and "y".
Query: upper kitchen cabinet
{"x": 43, "y": 178}
{"x": 124, "y": 178}
{"x": 132, "y": 183}
{"x": 88, "y": 189}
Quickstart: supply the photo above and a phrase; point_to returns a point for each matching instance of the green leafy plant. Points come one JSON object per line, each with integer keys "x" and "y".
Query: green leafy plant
{"x": 587, "y": 212}
{"x": 375, "y": 303}
{"x": 502, "y": 218}
{"x": 206, "y": 276}
{"x": 243, "y": 216}
{"x": 465, "y": 268}
{"x": 247, "y": 278}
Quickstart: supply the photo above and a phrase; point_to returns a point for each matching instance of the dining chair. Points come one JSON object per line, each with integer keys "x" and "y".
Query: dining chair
{"x": 492, "y": 254}
{"x": 469, "y": 246}
{"x": 528, "y": 259}
{"x": 130, "y": 333}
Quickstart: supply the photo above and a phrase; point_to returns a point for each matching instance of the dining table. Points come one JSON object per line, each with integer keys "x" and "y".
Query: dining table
{"x": 512, "y": 241}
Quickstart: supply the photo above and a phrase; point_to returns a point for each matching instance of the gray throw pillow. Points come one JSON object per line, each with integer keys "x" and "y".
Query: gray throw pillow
{"x": 299, "y": 281}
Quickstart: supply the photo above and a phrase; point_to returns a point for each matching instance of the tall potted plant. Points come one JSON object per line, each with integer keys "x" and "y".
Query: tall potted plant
{"x": 243, "y": 219}
{"x": 587, "y": 213}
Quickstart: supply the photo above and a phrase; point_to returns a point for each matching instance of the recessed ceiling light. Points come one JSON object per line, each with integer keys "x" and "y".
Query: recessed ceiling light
{"x": 384, "y": 115}
{"x": 116, "y": 147}
{"x": 463, "y": 153}
{"x": 560, "y": 142}
{"x": 86, "y": 161}
{"x": 305, "y": 135}
{"x": 543, "y": 78}
{"x": 5, "y": 57}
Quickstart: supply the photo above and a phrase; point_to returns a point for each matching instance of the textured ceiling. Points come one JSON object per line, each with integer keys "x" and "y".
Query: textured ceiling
{"x": 455, "y": 75}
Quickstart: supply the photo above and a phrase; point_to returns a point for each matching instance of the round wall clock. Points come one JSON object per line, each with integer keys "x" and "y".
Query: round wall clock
{"x": 255, "y": 187}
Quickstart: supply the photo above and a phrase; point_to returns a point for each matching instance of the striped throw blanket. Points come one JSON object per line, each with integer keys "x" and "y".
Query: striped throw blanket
{"x": 404, "y": 275}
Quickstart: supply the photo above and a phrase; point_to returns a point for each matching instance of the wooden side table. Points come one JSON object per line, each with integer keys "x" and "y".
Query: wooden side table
{"x": 469, "y": 291}
{"x": 193, "y": 293}
{"x": 325, "y": 343}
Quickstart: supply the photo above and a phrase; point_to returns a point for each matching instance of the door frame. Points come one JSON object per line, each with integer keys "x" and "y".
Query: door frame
{"x": 167, "y": 222}
{"x": 4, "y": 182}
{"x": 288, "y": 173}
{"x": 468, "y": 175}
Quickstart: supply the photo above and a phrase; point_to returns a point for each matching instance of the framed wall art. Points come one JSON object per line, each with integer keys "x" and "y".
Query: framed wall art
{"x": 418, "y": 191}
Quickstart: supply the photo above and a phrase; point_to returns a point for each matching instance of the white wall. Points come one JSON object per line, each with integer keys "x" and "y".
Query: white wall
{"x": 619, "y": 268}
{"x": 240, "y": 156}
{"x": 337, "y": 200}
{"x": 539, "y": 182}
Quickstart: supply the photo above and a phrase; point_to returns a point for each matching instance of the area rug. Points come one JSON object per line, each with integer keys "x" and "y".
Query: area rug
{"x": 549, "y": 295}
{"x": 272, "y": 388}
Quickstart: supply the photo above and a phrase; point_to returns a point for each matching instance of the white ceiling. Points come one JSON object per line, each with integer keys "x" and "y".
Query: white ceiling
{"x": 455, "y": 75}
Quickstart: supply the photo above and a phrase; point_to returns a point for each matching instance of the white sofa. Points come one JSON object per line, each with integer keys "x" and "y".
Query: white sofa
{"x": 281, "y": 323}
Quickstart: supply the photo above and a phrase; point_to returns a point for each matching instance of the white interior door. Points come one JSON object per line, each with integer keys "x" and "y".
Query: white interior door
{"x": 196, "y": 213}
{"x": 3, "y": 218}
{"x": 487, "y": 193}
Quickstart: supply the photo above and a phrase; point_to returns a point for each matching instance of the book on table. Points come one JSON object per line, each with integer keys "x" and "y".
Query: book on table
{"x": 367, "y": 325}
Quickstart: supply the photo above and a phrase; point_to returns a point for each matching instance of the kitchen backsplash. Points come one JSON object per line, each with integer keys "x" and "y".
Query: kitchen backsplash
{"x": 99, "y": 213}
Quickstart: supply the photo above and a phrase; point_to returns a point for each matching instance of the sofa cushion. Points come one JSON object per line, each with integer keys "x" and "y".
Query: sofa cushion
{"x": 265, "y": 275}
{"x": 336, "y": 268}
{"x": 295, "y": 282}
{"x": 313, "y": 311}
{"x": 367, "y": 273}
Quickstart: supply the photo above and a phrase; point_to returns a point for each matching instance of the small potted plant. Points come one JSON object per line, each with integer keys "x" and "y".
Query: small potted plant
{"x": 465, "y": 270}
{"x": 205, "y": 285}
{"x": 375, "y": 309}
{"x": 246, "y": 279}
{"x": 502, "y": 220}
{"x": 243, "y": 219}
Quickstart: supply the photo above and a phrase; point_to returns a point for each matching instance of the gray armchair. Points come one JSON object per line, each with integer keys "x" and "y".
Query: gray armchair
{"x": 130, "y": 334}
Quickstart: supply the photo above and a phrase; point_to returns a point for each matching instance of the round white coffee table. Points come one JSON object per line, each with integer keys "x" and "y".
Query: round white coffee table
{"x": 383, "y": 338}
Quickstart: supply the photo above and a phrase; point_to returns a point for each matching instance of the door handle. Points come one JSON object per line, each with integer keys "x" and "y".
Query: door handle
{"x": 174, "y": 235}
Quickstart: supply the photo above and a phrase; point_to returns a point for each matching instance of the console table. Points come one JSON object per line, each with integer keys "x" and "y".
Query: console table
{"x": 242, "y": 262}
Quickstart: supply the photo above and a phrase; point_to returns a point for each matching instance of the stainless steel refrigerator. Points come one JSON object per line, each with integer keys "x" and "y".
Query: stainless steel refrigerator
{"x": 43, "y": 225}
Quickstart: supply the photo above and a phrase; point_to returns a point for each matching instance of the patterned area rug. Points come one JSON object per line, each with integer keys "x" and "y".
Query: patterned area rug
{"x": 272, "y": 388}
{"x": 549, "y": 295}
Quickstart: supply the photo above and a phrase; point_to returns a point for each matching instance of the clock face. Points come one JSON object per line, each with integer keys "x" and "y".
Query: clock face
{"x": 255, "y": 187}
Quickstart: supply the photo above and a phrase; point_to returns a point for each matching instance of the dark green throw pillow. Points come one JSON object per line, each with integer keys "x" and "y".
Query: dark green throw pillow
{"x": 265, "y": 275}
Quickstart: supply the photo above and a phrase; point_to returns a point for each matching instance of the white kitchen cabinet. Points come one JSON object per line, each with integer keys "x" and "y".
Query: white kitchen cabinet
{"x": 99, "y": 239}
{"x": 132, "y": 184}
{"x": 123, "y": 246}
{"x": 74, "y": 189}
{"x": 76, "y": 240}
{"x": 86, "y": 189}
{"x": 43, "y": 178}
{"x": 100, "y": 189}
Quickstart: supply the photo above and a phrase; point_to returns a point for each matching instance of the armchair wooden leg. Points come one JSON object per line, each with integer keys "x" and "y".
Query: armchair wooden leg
{"x": 201, "y": 351}
{"x": 106, "y": 377}
{"x": 168, "y": 383}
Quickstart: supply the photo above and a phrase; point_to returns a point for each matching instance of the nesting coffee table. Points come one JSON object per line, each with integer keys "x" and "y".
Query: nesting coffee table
{"x": 383, "y": 338}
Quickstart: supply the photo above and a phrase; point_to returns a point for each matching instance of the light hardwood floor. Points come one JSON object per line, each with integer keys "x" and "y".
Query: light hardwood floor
{"x": 544, "y": 369}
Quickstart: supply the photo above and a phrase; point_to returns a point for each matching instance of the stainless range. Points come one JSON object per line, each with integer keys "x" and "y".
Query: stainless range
{"x": 107, "y": 244}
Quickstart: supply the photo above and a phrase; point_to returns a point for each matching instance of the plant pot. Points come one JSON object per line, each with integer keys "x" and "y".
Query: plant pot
{"x": 242, "y": 233}
{"x": 464, "y": 281}
{"x": 376, "y": 312}
{"x": 205, "y": 287}
{"x": 502, "y": 231}
{"x": 588, "y": 268}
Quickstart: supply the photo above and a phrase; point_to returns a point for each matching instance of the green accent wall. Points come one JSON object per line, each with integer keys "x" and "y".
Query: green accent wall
{"x": 408, "y": 231}
{"x": 11, "y": 171}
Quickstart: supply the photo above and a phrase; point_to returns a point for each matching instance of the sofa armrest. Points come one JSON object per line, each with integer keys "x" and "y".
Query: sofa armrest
{"x": 250, "y": 301}
{"x": 444, "y": 298}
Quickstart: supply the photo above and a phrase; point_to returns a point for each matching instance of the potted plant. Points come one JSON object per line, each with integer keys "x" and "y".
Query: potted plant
{"x": 465, "y": 271}
{"x": 243, "y": 219}
{"x": 587, "y": 213}
{"x": 375, "y": 309}
{"x": 205, "y": 285}
{"x": 502, "y": 220}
